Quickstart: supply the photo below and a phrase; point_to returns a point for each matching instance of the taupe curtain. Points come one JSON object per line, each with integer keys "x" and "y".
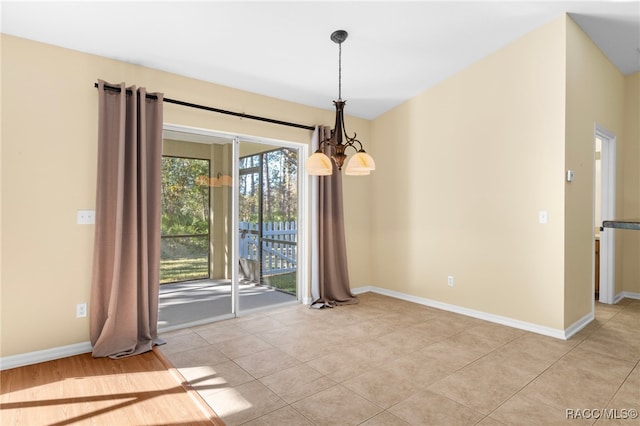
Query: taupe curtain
{"x": 332, "y": 279}
{"x": 124, "y": 294}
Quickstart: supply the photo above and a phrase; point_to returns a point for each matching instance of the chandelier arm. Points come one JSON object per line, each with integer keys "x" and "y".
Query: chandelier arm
{"x": 350, "y": 140}
{"x": 353, "y": 141}
{"x": 324, "y": 143}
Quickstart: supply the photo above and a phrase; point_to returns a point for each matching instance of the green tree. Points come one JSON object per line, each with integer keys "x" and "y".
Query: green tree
{"x": 185, "y": 203}
{"x": 279, "y": 191}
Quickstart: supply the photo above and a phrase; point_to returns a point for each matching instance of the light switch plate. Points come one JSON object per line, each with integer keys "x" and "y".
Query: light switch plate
{"x": 86, "y": 217}
{"x": 543, "y": 217}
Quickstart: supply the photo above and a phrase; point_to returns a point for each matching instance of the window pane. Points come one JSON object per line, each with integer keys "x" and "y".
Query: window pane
{"x": 185, "y": 219}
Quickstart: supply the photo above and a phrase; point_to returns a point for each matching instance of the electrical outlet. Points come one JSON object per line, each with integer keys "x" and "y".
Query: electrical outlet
{"x": 450, "y": 280}
{"x": 81, "y": 310}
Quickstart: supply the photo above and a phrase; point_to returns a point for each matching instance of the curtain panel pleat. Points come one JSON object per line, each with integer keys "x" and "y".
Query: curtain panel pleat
{"x": 333, "y": 287}
{"x": 125, "y": 282}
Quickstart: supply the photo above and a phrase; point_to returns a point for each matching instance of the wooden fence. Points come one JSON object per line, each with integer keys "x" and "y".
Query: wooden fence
{"x": 279, "y": 246}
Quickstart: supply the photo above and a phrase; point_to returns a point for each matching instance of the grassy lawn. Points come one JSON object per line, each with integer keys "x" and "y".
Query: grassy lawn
{"x": 183, "y": 269}
{"x": 284, "y": 282}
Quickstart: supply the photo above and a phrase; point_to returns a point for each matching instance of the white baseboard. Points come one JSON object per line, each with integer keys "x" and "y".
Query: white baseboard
{"x": 360, "y": 290}
{"x": 578, "y": 325}
{"x": 29, "y": 358}
{"x": 628, "y": 295}
{"x": 522, "y": 325}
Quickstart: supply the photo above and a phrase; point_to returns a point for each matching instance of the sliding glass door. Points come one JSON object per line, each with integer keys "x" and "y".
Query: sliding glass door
{"x": 268, "y": 201}
{"x": 196, "y": 262}
{"x": 232, "y": 235}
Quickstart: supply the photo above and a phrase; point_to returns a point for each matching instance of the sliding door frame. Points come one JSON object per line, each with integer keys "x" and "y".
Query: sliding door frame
{"x": 303, "y": 272}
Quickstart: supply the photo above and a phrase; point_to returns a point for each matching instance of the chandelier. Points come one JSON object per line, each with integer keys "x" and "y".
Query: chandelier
{"x": 214, "y": 181}
{"x": 360, "y": 163}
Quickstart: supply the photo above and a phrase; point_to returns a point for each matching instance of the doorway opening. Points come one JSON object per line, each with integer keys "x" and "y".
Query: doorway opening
{"x": 604, "y": 209}
{"x": 268, "y": 219}
{"x": 238, "y": 203}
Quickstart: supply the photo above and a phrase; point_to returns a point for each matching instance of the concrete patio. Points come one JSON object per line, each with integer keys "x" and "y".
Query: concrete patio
{"x": 198, "y": 302}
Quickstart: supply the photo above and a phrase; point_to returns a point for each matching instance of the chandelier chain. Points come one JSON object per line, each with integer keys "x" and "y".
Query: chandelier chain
{"x": 339, "y": 71}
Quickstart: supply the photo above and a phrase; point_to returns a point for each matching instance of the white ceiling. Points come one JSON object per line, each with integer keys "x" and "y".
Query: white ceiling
{"x": 395, "y": 50}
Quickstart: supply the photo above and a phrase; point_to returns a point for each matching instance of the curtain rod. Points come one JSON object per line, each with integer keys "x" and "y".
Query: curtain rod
{"x": 212, "y": 109}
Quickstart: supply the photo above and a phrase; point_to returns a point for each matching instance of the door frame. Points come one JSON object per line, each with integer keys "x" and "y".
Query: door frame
{"x": 303, "y": 271}
{"x": 607, "y": 212}
{"x": 304, "y": 211}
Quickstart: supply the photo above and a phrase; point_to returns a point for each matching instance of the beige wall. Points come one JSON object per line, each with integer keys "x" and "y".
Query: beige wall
{"x": 630, "y": 192}
{"x": 49, "y": 136}
{"x": 463, "y": 170}
{"x": 465, "y": 167}
{"x": 595, "y": 95}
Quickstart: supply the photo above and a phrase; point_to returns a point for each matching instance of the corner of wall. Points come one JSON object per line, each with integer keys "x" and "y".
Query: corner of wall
{"x": 594, "y": 96}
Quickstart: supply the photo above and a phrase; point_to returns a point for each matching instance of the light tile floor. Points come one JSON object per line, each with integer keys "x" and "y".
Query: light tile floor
{"x": 391, "y": 362}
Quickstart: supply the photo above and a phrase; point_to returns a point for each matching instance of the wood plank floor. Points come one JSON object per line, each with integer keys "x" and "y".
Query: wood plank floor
{"x": 139, "y": 390}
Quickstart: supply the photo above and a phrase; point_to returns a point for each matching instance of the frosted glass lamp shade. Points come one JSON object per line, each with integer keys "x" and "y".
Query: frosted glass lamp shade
{"x": 356, "y": 173}
{"x": 360, "y": 162}
{"x": 202, "y": 180}
{"x": 319, "y": 164}
{"x": 214, "y": 182}
{"x": 225, "y": 180}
